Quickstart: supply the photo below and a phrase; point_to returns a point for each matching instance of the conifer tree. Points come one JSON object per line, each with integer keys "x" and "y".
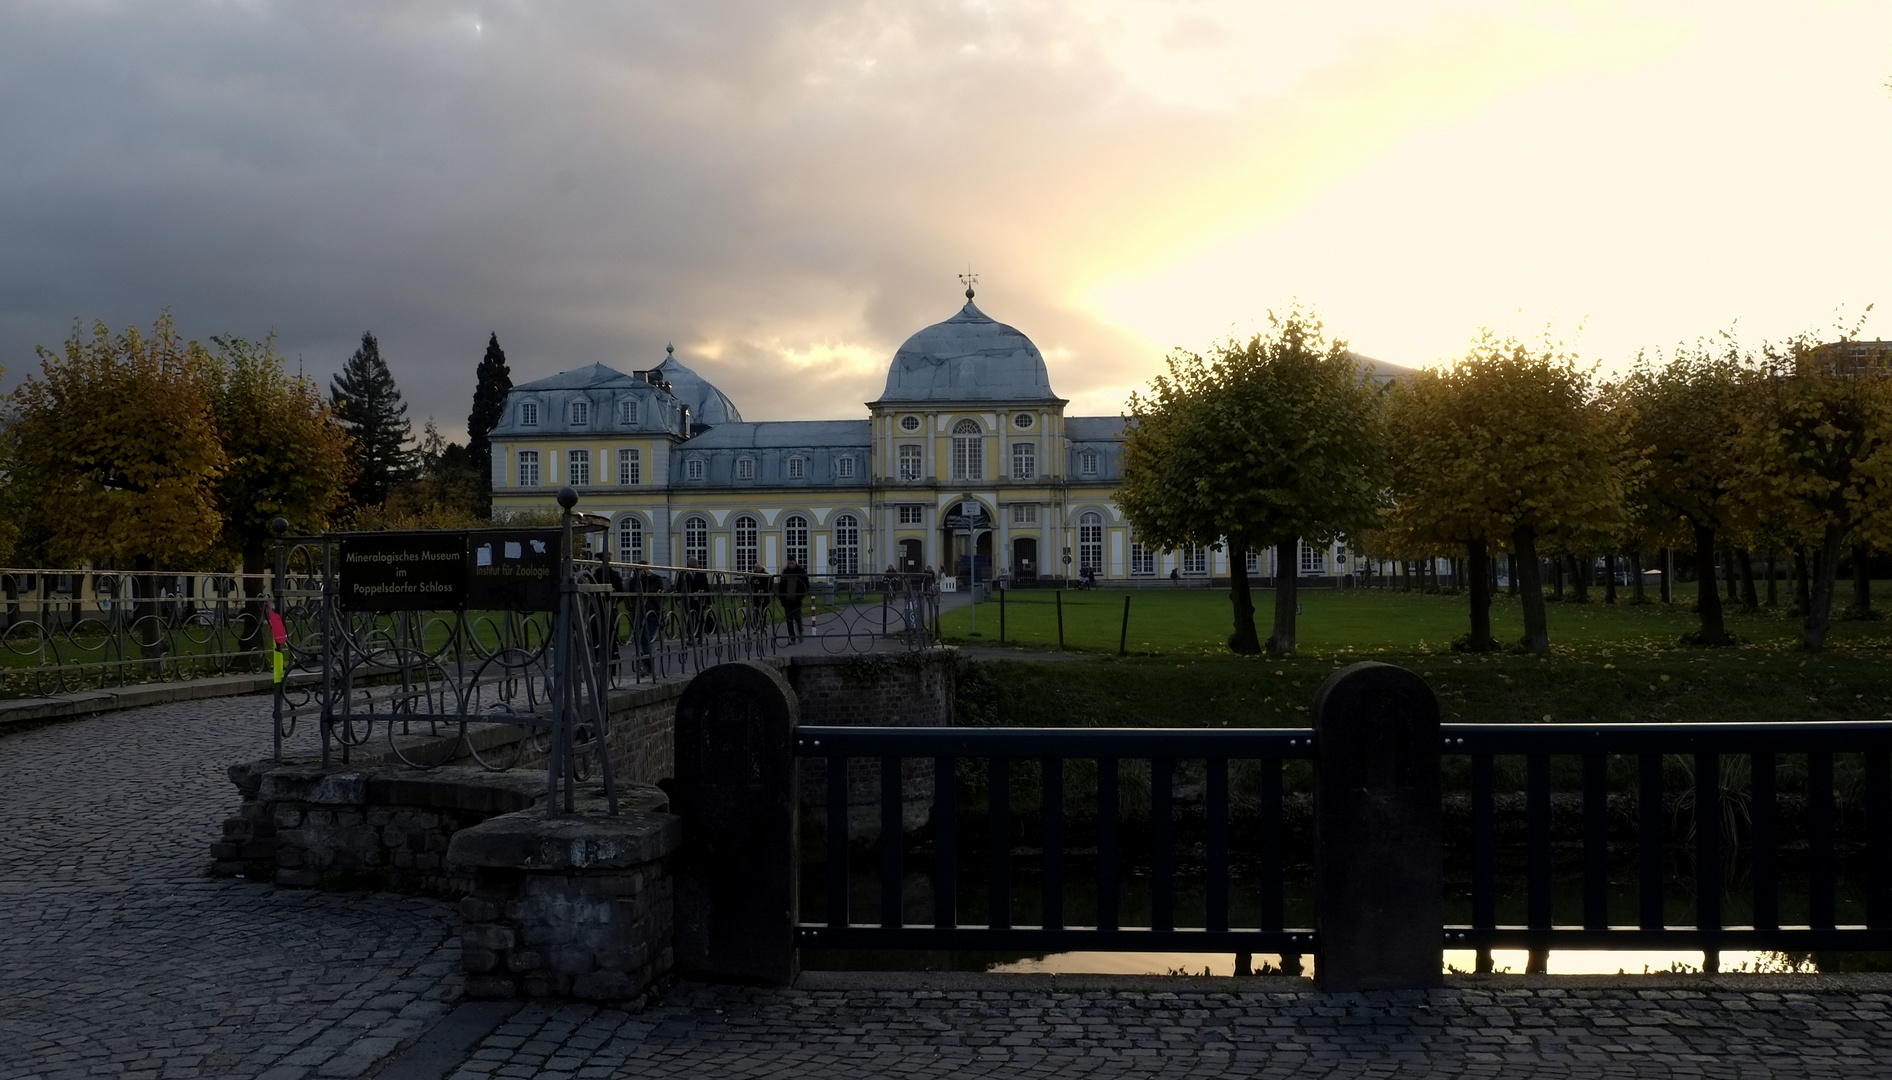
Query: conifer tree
{"x": 489, "y": 404}
{"x": 368, "y": 405}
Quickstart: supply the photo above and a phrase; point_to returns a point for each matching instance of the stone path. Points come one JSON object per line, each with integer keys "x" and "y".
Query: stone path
{"x": 118, "y": 957}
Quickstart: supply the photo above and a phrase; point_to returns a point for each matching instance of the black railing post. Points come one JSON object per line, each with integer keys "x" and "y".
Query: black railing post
{"x": 1378, "y": 830}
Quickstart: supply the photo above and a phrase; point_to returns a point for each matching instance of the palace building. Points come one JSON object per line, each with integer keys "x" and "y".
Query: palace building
{"x": 967, "y": 430}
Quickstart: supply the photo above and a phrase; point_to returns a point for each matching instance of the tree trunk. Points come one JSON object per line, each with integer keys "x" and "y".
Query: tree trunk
{"x": 1773, "y": 586}
{"x": 1536, "y": 631}
{"x": 1480, "y": 640}
{"x": 1731, "y": 572}
{"x": 1580, "y": 577}
{"x": 1637, "y": 594}
{"x": 1281, "y": 642}
{"x": 1557, "y": 577}
{"x": 1714, "y": 630}
{"x": 1511, "y": 573}
{"x": 1744, "y": 560}
{"x": 1802, "y": 590}
{"x": 1820, "y": 611}
{"x": 1245, "y": 640}
{"x": 1667, "y": 570}
{"x": 1862, "y": 583}
{"x": 1609, "y": 578}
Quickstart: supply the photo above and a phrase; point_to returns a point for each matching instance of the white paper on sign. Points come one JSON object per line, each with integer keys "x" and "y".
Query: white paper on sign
{"x": 513, "y": 550}
{"x": 538, "y": 546}
{"x": 483, "y": 555}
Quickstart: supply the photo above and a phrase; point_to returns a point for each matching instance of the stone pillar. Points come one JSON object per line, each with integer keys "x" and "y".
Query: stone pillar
{"x": 735, "y": 789}
{"x": 580, "y": 905}
{"x": 1378, "y": 831}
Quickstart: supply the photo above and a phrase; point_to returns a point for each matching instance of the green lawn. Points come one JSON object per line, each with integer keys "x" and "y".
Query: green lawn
{"x": 1196, "y": 622}
{"x": 1608, "y": 664}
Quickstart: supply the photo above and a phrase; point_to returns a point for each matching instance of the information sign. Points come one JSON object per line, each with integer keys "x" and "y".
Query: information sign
{"x": 418, "y": 571}
{"x": 514, "y": 571}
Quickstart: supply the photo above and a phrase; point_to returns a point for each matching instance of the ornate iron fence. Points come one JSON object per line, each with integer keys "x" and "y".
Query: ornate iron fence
{"x": 64, "y": 631}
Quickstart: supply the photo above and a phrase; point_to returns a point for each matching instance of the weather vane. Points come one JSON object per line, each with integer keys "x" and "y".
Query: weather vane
{"x": 969, "y": 279}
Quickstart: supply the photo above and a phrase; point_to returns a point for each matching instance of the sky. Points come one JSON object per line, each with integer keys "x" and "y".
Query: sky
{"x": 786, "y": 190}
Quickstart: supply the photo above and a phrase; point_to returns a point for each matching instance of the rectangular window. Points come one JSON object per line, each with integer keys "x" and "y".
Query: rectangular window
{"x": 745, "y": 469}
{"x": 1024, "y": 513}
{"x": 528, "y": 414}
{"x": 1195, "y": 560}
{"x": 910, "y": 463}
{"x": 1087, "y": 463}
{"x": 1024, "y": 461}
{"x": 694, "y": 470}
{"x": 581, "y": 413}
{"x": 913, "y": 515}
{"x": 844, "y": 468}
{"x": 528, "y": 468}
{"x": 795, "y": 539}
{"x": 630, "y": 468}
{"x": 1313, "y": 559}
{"x": 968, "y": 457}
{"x": 578, "y": 468}
{"x": 1254, "y": 561}
{"x": 1142, "y": 559}
{"x": 795, "y": 468}
{"x": 627, "y": 411}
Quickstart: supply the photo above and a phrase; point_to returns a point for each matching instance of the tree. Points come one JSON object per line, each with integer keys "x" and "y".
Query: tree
{"x": 369, "y": 406}
{"x": 287, "y": 456}
{"x": 489, "y": 406}
{"x": 1820, "y": 441}
{"x": 1683, "y": 422}
{"x": 445, "y": 493}
{"x": 1508, "y": 444}
{"x": 116, "y": 442}
{"x": 1262, "y": 444}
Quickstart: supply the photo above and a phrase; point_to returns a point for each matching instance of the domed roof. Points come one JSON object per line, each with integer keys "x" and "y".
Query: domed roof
{"x": 969, "y": 357}
{"x": 708, "y": 405}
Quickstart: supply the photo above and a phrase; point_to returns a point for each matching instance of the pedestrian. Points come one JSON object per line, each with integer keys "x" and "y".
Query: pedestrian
{"x": 793, "y": 589}
{"x": 759, "y": 593}
{"x": 694, "y": 584}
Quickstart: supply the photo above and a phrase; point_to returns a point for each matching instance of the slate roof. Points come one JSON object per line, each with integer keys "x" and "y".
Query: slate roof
{"x": 969, "y": 357}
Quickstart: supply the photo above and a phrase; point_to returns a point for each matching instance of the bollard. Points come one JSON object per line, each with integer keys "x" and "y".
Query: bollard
{"x": 1123, "y": 637}
{"x": 1060, "y": 620}
{"x": 1378, "y": 831}
{"x": 1002, "y": 616}
{"x": 737, "y": 793}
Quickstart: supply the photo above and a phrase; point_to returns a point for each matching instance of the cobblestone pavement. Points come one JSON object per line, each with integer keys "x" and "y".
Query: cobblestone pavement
{"x": 839, "y": 1034}
{"x": 119, "y": 957}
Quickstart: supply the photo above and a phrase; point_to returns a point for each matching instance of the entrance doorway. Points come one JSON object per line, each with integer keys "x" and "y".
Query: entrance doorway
{"x": 910, "y": 557}
{"x": 1025, "y": 558}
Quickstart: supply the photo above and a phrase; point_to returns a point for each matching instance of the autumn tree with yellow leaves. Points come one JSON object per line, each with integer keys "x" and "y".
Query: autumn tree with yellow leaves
{"x": 1262, "y": 443}
{"x": 1508, "y": 446}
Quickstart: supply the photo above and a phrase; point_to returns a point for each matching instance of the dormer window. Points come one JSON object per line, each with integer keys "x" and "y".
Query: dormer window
{"x": 627, "y": 412}
{"x": 693, "y": 469}
{"x": 1087, "y": 463}
{"x": 844, "y": 468}
{"x": 528, "y": 414}
{"x": 796, "y": 468}
{"x": 745, "y": 470}
{"x": 581, "y": 413}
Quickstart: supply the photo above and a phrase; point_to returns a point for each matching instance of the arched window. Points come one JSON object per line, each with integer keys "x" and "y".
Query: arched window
{"x": 847, "y": 545}
{"x": 745, "y": 542}
{"x": 630, "y": 539}
{"x": 968, "y": 451}
{"x": 696, "y": 540}
{"x": 795, "y": 539}
{"x": 1090, "y": 542}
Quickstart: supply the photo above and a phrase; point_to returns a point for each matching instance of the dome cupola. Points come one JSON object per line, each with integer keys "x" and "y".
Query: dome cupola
{"x": 969, "y": 357}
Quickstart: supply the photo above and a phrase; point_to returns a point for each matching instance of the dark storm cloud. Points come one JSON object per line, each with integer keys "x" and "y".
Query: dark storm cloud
{"x": 589, "y": 180}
